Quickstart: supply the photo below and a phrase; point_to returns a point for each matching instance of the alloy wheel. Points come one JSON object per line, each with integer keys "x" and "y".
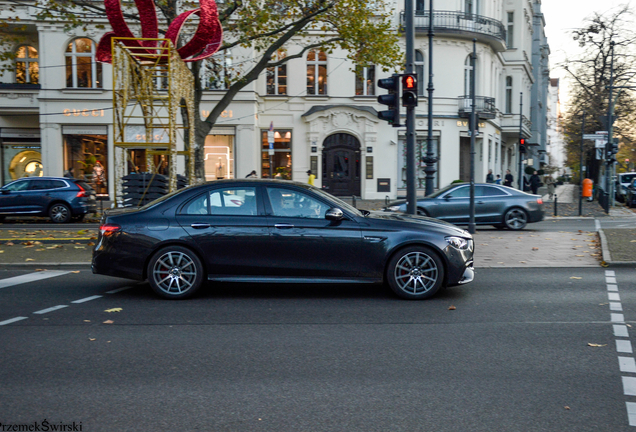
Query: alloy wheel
{"x": 60, "y": 213}
{"x": 416, "y": 273}
{"x": 516, "y": 219}
{"x": 174, "y": 273}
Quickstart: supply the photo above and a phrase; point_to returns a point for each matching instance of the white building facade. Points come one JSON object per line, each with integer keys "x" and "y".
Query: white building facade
{"x": 56, "y": 106}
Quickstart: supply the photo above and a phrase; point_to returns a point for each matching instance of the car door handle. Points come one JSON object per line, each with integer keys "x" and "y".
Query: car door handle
{"x": 200, "y": 225}
{"x": 480, "y": 202}
{"x": 283, "y": 226}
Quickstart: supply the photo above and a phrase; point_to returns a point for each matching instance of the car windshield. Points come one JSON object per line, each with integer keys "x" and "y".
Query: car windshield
{"x": 339, "y": 202}
{"x": 627, "y": 178}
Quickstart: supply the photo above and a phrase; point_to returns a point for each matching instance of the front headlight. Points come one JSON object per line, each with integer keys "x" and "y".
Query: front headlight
{"x": 459, "y": 242}
{"x": 395, "y": 208}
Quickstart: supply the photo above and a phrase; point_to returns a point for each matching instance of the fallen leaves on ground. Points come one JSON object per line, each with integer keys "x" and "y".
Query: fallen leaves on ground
{"x": 575, "y": 277}
{"x": 451, "y": 307}
{"x": 114, "y": 310}
{"x": 108, "y": 322}
{"x": 595, "y": 345}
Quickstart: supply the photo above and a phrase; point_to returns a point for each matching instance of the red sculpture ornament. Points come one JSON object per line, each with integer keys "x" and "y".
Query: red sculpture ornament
{"x": 205, "y": 42}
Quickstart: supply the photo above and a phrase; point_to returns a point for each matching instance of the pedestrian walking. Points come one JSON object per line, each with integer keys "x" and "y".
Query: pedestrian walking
{"x": 549, "y": 182}
{"x": 489, "y": 177}
{"x": 535, "y": 182}
{"x": 508, "y": 179}
{"x": 311, "y": 178}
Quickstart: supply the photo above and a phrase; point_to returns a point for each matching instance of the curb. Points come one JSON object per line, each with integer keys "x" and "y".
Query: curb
{"x": 607, "y": 257}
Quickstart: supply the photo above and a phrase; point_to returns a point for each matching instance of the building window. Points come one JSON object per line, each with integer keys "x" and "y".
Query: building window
{"x": 421, "y": 147}
{"x": 316, "y": 73}
{"x": 217, "y": 71}
{"x": 219, "y": 157}
{"x": 365, "y": 81}
{"x": 81, "y": 68}
{"x": 27, "y": 70}
{"x": 276, "y": 161}
{"x": 468, "y": 75}
{"x": 508, "y": 94}
{"x": 419, "y": 70}
{"x": 88, "y": 156}
{"x": 510, "y": 30}
{"x": 277, "y": 76}
{"x": 471, "y": 7}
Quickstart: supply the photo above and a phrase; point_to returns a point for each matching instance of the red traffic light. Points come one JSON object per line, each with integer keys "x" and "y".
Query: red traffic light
{"x": 409, "y": 82}
{"x": 522, "y": 141}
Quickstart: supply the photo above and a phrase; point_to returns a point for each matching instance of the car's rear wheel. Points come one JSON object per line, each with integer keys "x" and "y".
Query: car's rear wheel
{"x": 60, "y": 213}
{"x": 175, "y": 272}
{"x": 515, "y": 219}
{"x": 415, "y": 273}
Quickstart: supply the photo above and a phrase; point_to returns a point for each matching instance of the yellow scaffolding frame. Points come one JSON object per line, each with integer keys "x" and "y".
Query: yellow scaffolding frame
{"x": 136, "y": 95}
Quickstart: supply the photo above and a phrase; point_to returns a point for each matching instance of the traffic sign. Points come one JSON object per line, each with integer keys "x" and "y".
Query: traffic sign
{"x": 591, "y": 136}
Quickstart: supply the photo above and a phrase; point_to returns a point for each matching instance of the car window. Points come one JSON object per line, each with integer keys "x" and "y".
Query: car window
{"x": 239, "y": 201}
{"x": 17, "y": 185}
{"x": 627, "y": 178}
{"x": 488, "y": 191}
{"x": 460, "y": 192}
{"x": 40, "y": 184}
{"x": 58, "y": 184}
{"x": 197, "y": 206}
{"x": 292, "y": 203}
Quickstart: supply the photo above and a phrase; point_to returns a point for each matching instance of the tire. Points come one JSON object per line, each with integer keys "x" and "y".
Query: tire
{"x": 175, "y": 272}
{"x": 60, "y": 213}
{"x": 421, "y": 212}
{"x": 515, "y": 219}
{"x": 415, "y": 273}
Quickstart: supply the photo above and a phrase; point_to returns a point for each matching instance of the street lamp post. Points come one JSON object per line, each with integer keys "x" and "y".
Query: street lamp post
{"x": 473, "y": 130}
{"x": 520, "y": 137}
{"x": 430, "y": 159}
{"x": 581, "y": 167}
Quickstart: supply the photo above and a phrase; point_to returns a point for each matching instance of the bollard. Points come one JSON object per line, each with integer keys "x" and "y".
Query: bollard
{"x": 555, "y": 204}
{"x": 353, "y": 201}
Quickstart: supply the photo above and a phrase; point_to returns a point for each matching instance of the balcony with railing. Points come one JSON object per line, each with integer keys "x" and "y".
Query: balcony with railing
{"x": 484, "y": 106}
{"x": 463, "y": 25}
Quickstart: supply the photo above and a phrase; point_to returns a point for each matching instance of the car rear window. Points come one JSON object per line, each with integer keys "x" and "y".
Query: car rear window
{"x": 58, "y": 184}
{"x": 627, "y": 178}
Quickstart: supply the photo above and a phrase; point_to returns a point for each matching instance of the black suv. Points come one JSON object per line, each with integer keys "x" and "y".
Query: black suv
{"x": 60, "y": 198}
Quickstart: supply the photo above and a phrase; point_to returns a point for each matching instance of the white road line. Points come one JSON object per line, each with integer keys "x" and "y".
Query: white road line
{"x": 620, "y": 331}
{"x": 627, "y": 364}
{"x": 612, "y": 287}
{"x": 615, "y": 306}
{"x": 618, "y": 318}
{"x": 51, "y": 309}
{"x": 597, "y": 223}
{"x": 12, "y": 320}
{"x": 631, "y": 413}
{"x": 613, "y": 297}
{"x": 115, "y": 291}
{"x": 629, "y": 386}
{"x": 31, "y": 277}
{"x": 624, "y": 346}
{"x": 610, "y": 273}
{"x": 610, "y": 280}
{"x": 87, "y": 299}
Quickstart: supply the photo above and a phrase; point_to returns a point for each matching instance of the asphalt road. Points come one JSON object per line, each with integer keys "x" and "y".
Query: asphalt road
{"x": 513, "y": 354}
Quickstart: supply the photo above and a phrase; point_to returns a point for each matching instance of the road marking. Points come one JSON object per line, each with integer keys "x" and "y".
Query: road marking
{"x": 51, "y": 309}
{"x": 610, "y": 280}
{"x": 624, "y": 346}
{"x": 616, "y": 306}
{"x": 627, "y": 364}
{"x": 31, "y": 277}
{"x": 618, "y": 318}
{"x": 12, "y": 320}
{"x": 631, "y": 413}
{"x": 629, "y": 386}
{"x": 620, "y": 331}
{"x": 613, "y": 296}
{"x": 612, "y": 287}
{"x": 597, "y": 224}
{"x": 118, "y": 290}
{"x": 610, "y": 273}
{"x": 87, "y": 299}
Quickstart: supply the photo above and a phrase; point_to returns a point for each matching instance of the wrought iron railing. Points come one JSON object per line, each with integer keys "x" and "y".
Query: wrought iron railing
{"x": 456, "y": 22}
{"x": 484, "y": 106}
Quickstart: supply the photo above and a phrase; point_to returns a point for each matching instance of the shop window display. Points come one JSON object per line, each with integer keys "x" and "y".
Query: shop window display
{"x": 219, "y": 157}
{"x": 279, "y": 164}
{"x": 88, "y": 156}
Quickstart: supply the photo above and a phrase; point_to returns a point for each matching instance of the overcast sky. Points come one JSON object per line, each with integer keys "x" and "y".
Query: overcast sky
{"x": 561, "y": 16}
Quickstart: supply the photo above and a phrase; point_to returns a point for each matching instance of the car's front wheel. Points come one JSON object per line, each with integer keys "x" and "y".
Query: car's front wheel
{"x": 515, "y": 219}
{"x": 415, "y": 273}
{"x": 175, "y": 272}
{"x": 60, "y": 213}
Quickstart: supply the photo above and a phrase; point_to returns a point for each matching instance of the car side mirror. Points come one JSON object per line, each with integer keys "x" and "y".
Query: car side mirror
{"x": 334, "y": 214}
{"x": 447, "y": 197}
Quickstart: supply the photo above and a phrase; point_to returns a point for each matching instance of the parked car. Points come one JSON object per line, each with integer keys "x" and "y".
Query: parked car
{"x": 283, "y": 232}
{"x": 501, "y": 206}
{"x": 630, "y": 195}
{"x": 61, "y": 199}
{"x": 623, "y": 180}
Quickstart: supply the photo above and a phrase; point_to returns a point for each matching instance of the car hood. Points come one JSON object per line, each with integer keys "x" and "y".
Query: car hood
{"x": 420, "y": 220}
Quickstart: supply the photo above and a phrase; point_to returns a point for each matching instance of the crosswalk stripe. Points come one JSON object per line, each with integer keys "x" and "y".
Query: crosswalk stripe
{"x": 31, "y": 277}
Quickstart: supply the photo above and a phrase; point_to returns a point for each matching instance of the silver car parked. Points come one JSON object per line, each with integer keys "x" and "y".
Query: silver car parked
{"x": 500, "y": 206}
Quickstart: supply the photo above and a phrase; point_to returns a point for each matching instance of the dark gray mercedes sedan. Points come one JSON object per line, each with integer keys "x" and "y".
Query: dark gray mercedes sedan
{"x": 255, "y": 231}
{"x": 501, "y": 206}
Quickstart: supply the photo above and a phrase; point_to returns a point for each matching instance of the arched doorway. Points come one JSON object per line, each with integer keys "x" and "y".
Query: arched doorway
{"x": 341, "y": 165}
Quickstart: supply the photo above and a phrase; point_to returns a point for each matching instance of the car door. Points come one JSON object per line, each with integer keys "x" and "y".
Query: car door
{"x": 12, "y": 197}
{"x": 230, "y": 229}
{"x": 454, "y": 205}
{"x": 490, "y": 204}
{"x": 304, "y": 243}
{"x": 39, "y": 195}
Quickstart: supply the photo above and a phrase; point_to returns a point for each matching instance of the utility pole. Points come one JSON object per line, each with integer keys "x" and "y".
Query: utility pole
{"x": 581, "y": 167}
{"x": 473, "y": 132}
{"x": 431, "y": 158}
{"x": 411, "y": 191}
{"x": 610, "y": 123}
{"x": 522, "y": 148}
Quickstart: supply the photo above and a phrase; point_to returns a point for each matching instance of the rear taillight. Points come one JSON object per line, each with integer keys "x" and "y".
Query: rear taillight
{"x": 82, "y": 192}
{"x": 108, "y": 229}
{"x": 539, "y": 201}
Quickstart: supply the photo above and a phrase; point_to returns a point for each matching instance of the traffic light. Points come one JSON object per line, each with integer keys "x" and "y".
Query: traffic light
{"x": 392, "y": 115}
{"x": 522, "y": 145}
{"x": 611, "y": 148}
{"x": 409, "y": 90}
